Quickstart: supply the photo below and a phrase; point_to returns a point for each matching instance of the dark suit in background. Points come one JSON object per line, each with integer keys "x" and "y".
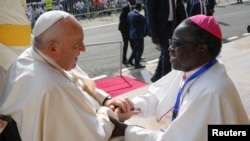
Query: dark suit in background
{"x": 136, "y": 32}
{"x": 162, "y": 30}
{"x": 194, "y": 7}
{"x": 123, "y": 27}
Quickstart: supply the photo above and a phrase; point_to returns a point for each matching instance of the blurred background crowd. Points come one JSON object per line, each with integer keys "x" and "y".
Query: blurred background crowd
{"x": 80, "y": 8}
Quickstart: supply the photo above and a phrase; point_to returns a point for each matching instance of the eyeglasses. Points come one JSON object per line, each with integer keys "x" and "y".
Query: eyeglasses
{"x": 176, "y": 44}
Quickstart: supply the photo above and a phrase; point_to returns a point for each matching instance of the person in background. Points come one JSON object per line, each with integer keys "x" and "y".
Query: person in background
{"x": 239, "y": 1}
{"x": 46, "y": 92}
{"x": 198, "y": 91}
{"x": 136, "y": 33}
{"x": 147, "y": 27}
{"x": 195, "y": 7}
{"x": 163, "y": 17}
{"x": 48, "y": 5}
{"x": 123, "y": 27}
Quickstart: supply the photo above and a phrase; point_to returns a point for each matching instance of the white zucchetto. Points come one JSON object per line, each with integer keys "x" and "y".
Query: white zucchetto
{"x": 46, "y": 20}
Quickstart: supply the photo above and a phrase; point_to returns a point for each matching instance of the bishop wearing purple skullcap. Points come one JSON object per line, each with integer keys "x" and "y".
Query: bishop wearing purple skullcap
{"x": 196, "y": 93}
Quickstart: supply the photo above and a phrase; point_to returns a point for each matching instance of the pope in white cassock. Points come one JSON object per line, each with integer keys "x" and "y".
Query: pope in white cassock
{"x": 48, "y": 95}
{"x": 198, "y": 91}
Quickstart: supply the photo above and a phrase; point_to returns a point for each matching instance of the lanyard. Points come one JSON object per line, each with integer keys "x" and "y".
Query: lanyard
{"x": 196, "y": 74}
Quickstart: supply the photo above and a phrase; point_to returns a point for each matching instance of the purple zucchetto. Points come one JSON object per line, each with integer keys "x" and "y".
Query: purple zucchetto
{"x": 208, "y": 23}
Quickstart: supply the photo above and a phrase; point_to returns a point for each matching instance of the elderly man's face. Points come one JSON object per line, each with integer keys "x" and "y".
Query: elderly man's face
{"x": 70, "y": 46}
{"x": 184, "y": 49}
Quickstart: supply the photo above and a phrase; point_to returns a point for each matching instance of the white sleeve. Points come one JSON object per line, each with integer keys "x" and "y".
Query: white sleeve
{"x": 146, "y": 103}
{"x": 136, "y": 133}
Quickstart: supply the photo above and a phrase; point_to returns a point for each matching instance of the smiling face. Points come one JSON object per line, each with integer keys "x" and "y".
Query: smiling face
{"x": 71, "y": 44}
{"x": 67, "y": 46}
{"x": 186, "y": 53}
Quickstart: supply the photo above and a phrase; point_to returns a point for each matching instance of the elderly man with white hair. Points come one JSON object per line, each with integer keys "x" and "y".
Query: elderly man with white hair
{"x": 48, "y": 95}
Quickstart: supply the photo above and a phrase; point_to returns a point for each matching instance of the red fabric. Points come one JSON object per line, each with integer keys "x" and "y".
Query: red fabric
{"x": 118, "y": 85}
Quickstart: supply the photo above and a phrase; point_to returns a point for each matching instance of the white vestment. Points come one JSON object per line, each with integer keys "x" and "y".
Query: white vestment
{"x": 211, "y": 98}
{"x": 6, "y": 57}
{"x": 48, "y": 104}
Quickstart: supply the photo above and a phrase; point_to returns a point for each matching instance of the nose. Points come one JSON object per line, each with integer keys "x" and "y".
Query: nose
{"x": 170, "y": 48}
{"x": 82, "y": 48}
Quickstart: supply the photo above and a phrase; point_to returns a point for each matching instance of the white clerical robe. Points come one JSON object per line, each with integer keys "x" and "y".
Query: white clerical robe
{"x": 210, "y": 98}
{"x": 6, "y": 57}
{"x": 46, "y": 104}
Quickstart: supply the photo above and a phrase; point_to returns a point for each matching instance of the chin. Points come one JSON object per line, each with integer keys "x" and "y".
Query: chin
{"x": 176, "y": 67}
{"x": 74, "y": 66}
{"x": 70, "y": 68}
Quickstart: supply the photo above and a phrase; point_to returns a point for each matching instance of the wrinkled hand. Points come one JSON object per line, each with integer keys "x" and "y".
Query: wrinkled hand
{"x": 124, "y": 115}
{"x": 119, "y": 129}
{"x": 124, "y": 103}
{"x": 156, "y": 40}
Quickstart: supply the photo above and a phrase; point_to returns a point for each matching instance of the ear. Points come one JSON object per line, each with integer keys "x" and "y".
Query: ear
{"x": 52, "y": 49}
